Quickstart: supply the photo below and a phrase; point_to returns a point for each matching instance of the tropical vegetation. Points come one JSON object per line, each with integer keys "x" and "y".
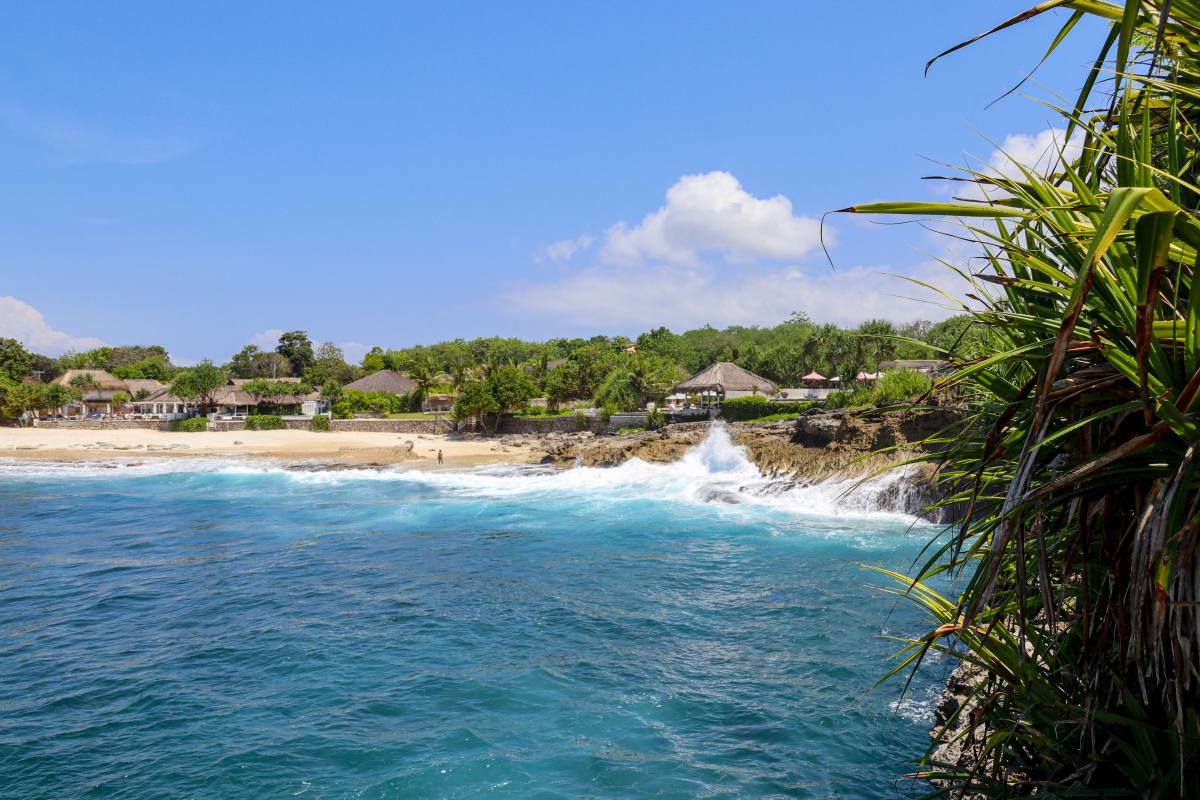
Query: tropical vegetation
{"x": 1077, "y": 563}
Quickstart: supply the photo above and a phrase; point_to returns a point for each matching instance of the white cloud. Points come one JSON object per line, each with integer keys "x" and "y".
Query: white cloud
{"x": 267, "y": 340}
{"x": 562, "y": 251}
{"x": 1041, "y": 153}
{"x": 713, "y": 213}
{"x": 680, "y": 299}
{"x": 26, "y": 324}
{"x": 353, "y": 351}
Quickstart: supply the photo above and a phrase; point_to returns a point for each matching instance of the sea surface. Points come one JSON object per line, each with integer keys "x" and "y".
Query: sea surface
{"x": 215, "y": 628}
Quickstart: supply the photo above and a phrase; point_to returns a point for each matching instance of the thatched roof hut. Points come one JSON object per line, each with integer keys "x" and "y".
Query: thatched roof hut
{"x": 385, "y": 380}
{"x": 137, "y": 384}
{"x": 725, "y": 377}
{"x": 105, "y": 381}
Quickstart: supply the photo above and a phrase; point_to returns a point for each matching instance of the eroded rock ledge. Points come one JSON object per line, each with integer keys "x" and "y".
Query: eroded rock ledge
{"x": 813, "y": 446}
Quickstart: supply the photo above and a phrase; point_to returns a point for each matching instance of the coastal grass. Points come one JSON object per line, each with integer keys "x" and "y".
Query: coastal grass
{"x": 894, "y": 386}
{"x": 1078, "y": 561}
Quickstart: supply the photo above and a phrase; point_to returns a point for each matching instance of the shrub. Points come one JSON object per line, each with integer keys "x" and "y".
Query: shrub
{"x": 792, "y": 413}
{"x": 837, "y": 400}
{"x": 656, "y": 419}
{"x": 606, "y": 413}
{"x": 194, "y": 425}
{"x": 900, "y": 384}
{"x": 342, "y": 410}
{"x": 580, "y": 421}
{"x": 529, "y": 411}
{"x": 740, "y": 409}
{"x": 265, "y": 422}
{"x": 321, "y": 424}
{"x": 893, "y": 387}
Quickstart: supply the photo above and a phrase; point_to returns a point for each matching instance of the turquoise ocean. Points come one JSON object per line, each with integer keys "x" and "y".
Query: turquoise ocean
{"x": 217, "y": 628}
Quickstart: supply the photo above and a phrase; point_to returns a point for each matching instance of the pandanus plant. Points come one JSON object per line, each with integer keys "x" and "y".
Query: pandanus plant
{"x": 1079, "y": 558}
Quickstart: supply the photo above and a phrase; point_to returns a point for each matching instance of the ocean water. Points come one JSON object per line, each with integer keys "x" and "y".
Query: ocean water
{"x": 214, "y": 628}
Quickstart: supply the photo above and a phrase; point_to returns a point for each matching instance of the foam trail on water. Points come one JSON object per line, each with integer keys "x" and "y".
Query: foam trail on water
{"x": 715, "y": 472}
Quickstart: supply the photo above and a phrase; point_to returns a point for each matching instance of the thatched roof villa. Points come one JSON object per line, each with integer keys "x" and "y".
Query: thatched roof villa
{"x": 385, "y": 380}
{"x": 726, "y": 380}
{"x": 97, "y": 398}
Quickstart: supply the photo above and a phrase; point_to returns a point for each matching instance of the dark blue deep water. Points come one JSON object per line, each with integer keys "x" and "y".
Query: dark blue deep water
{"x": 214, "y": 629}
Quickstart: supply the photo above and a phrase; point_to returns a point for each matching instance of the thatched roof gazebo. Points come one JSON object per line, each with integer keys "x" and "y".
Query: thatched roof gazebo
{"x": 726, "y": 378}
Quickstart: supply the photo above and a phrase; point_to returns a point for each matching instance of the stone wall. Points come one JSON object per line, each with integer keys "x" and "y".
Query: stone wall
{"x": 391, "y": 425}
{"x": 354, "y": 425}
{"x": 528, "y": 425}
{"x": 104, "y": 425}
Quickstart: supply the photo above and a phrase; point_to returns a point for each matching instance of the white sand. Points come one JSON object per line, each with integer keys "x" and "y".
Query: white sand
{"x": 60, "y": 444}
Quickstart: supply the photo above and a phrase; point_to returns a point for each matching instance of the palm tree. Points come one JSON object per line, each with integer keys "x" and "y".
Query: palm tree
{"x": 72, "y": 397}
{"x": 56, "y": 395}
{"x": 424, "y": 373}
{"x": 460, "y": 375}
{"x": 540, "y": 370}
{"x": 331, "y": 391}
{"x": 85, "y": 382}
{"x": 119, "y": 399}
{"x": 631, "y": 386}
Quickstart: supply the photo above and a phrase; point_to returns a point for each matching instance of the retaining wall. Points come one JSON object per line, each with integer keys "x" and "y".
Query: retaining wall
{"x": 104, "y": 425}
{"x": 527, "y": 425}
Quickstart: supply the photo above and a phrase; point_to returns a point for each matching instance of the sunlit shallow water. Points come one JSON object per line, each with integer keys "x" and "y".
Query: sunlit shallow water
{"x": 212, "y": 628}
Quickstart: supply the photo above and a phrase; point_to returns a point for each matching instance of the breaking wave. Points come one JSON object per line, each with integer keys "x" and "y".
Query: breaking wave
{"x": 716, "y": 472}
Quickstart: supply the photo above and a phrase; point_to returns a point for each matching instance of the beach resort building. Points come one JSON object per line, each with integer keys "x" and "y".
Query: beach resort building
{"x": 385, "y": 380}
{"x": 97, "y": 395}
{"x": 724, "y": 381}
{"x": 229, "y": 401}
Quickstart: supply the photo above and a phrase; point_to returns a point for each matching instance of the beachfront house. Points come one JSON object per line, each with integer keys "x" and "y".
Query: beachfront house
{"x": 162, "y": 403}
{"x": 724, "y": 381}
{"x": 385, "y": 380}
{"x": 438, "y": 404}
{"x": 234, "y": 401}
{"x": 97, "y": 397}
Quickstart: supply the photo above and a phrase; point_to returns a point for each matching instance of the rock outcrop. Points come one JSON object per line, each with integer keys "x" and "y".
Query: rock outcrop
{"x": 815, "y": 445}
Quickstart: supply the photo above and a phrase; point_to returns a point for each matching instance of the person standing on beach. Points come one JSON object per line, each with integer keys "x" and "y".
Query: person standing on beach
{"x": 440, "y": 461}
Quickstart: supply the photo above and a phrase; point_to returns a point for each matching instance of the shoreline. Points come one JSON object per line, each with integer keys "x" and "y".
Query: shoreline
{"x": 293, "y": 447}
{"x": 813, "y": 447}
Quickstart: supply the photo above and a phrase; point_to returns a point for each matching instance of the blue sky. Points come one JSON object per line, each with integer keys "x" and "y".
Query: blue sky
{"x": 383, "y": 173}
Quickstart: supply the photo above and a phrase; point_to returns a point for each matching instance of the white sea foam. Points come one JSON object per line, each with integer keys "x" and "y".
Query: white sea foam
{"x": 716, "y": 473}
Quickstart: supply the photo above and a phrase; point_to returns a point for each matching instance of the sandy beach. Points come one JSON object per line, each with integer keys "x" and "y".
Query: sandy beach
{"x": 286, "y": 445}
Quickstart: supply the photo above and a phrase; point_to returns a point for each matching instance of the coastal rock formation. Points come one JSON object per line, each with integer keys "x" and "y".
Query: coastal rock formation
{"x": 809, "y": 449}
{"x": 956, "y": 748}
{"x": 815, "y": 445}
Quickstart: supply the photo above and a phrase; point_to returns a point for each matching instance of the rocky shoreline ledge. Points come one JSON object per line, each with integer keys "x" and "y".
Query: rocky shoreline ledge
{"x": 813, "y": 447}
